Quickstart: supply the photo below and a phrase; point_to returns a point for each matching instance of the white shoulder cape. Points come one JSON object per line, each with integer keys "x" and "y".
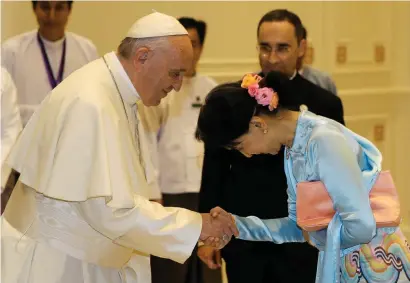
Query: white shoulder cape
{"x": 78, "y": 145}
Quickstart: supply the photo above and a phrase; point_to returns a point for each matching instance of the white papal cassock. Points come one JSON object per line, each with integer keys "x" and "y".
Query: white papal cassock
{"x": 81, "y": 201}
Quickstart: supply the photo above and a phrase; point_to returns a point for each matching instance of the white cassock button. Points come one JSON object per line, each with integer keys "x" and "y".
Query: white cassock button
{"x": 303, "y": 107}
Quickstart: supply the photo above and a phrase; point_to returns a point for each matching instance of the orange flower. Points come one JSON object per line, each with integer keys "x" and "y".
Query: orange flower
{"x": 250, "y": 79}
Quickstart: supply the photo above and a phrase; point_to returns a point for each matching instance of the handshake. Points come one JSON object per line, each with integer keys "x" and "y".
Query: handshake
{"x": 218, "y": 227}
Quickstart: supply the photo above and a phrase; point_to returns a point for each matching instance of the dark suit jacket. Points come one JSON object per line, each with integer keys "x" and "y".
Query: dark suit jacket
{"x": 257, "y": 185}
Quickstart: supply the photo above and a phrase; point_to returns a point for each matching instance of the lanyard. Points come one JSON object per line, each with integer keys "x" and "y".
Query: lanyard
{"x": 53, "y": 81}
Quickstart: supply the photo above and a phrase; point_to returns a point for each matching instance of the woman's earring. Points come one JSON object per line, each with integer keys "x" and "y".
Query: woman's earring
{"x": 265, "y": 131}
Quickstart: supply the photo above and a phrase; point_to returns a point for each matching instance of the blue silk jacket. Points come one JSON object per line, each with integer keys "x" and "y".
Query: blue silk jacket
{"x": 348, "y": 165}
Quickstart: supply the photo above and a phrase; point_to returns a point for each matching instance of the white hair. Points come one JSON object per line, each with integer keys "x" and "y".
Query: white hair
{"x": 129, "y": 45}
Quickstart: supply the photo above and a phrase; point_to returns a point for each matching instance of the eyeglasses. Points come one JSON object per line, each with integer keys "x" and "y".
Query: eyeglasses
{"x": 266, "y": 50}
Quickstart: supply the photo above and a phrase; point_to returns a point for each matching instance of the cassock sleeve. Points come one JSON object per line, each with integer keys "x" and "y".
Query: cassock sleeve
{"x": 10, "y": 120}
{"x": 339, "y": 171}
{"x": 148, "y": 227}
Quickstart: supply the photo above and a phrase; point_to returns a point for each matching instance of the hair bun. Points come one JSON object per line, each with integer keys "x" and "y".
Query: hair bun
{"x": 289, "y": 96}
{"x": 276, "y": 80}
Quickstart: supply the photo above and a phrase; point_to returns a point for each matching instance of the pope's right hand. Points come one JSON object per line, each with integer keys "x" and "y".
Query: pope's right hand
{"x": 220, "y": 227}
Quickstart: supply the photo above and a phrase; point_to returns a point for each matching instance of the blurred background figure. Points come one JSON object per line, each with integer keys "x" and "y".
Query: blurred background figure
{"x": 40, "y": 59}
{"x": 10, "y": 129}
{"x": 314, "y": 75}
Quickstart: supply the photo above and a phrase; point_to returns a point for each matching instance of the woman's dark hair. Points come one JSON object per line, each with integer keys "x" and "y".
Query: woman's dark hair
{"x": 229, "y": 108}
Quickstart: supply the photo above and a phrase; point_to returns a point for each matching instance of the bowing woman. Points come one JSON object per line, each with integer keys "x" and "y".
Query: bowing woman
{"x": 358, "y": 244}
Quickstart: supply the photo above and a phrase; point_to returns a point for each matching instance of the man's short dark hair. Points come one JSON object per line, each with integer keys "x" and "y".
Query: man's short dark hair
{"x": 200, "y": 27}
{"x": 304, "y": 34}
{"x": 69, "y": 3}
{"x": 281, "y": 15}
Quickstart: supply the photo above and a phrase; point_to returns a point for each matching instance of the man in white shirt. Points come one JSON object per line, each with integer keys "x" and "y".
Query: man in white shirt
{"x": 10, "y": 127}
{"x": 314, "y": 75}
{"x": 84, "y": 181}
{"x": 171, "y": 127}
{"x": 40, "y": 59}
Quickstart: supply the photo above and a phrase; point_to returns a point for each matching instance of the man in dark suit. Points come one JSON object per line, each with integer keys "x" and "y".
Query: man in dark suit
{"x": 257, "y": 185}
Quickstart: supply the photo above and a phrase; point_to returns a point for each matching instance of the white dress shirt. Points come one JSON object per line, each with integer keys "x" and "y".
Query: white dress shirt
{"x": 171, "y": 129}
{"x": 21, "y": 56}
{"x": 10, "y": 121}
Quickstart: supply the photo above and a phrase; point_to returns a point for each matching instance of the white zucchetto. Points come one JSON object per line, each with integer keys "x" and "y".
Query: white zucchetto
{"x": 155, "y": 25}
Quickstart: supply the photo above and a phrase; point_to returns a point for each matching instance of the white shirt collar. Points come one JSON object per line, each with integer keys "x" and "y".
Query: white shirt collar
{"x": 125, "y": 86}
{"x": 294, "y": 75}
{"x": 53, "y": 44}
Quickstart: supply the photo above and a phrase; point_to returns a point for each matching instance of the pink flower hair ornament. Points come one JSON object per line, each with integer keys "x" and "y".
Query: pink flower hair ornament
{"x": 264, "y": 96}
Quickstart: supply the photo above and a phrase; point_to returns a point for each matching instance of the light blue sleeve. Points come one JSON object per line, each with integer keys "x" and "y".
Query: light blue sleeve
{"x": 281, "y": 230}
{"x": 337, "y": 167}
